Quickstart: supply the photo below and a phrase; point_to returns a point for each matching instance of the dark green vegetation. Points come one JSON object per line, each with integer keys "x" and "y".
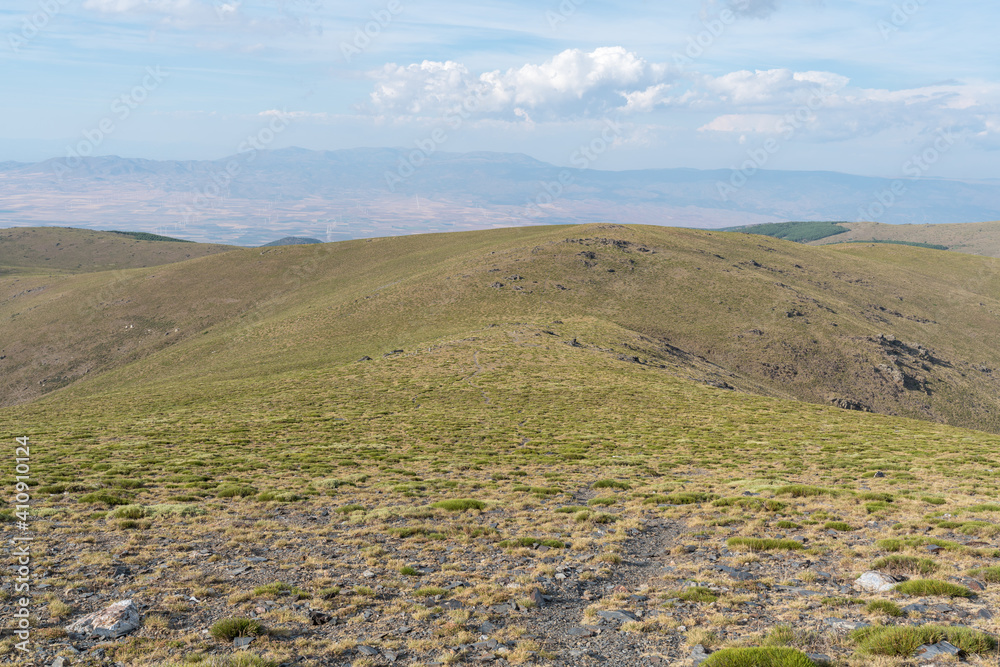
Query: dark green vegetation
{"x": 291, "y": 240}
{"x": 759, "y": 657}
{"x": 977, "y": 238}
{"x": 904, "y": 641}
{"x": 914, "y": 244}
{"x": 497, "y": 405}
{"x": 146, "y": 236}
{"x": 798, "y": 232}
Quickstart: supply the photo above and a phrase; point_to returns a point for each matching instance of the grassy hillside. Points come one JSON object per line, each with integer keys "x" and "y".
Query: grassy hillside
{"x": 340, "y": 441}
{"x": 876, "y": 328}
{"x": 799, "y": 232}
{"x": 365, "y": 490}
{"x": 62, "y": 249}
{"x": 979, "y": 238}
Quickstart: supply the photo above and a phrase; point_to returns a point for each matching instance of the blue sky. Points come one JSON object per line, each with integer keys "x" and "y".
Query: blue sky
{"x": 855, "y": 86}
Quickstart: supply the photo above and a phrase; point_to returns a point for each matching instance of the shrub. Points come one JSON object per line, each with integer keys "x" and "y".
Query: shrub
{"x": 838, "y": 525}
{"x": 611, "y": 484}
{"x": 689, "y": 498}
{"x": 924, "y": 587}
{"x": 762, "y": 544}
{"x": 787, "y": 525}
{"x": 349, "y": 509}
{"x": 604, "y": 502}
{"x": 934, "y": 501}
{"x": 990, "y": 575}
{"x": 571, "y": 509}
{"x": 409, "y": 571}
{"x": 128, "y": 512}
{"x": 904, "y": 641}
{"x": 759, "y": 657}
{"x": 804, "y": 491}
{"x": 235, "y": 492}
{"x": 905, "y": 565}
{"x": 101, "y": 497}
{"x": 887, "y": 607}
{"x": 876, "y": 495}
{"x": 230, "y": 628}
{"x": 460, "y": 504}
{"x": 532, "y": 541}
{"x": 429, "y": 591}
{"x": 696, "y": 594}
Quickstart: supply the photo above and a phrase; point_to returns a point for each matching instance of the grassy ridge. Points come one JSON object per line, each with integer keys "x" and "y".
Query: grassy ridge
{"x": 879, "y": 327}
{"x": 977, "y": 238}
{"x": 798, "y": 232}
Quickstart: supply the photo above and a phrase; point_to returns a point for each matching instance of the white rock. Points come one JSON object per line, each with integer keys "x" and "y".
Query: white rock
{"x": 114, "y": 621}
{"x": 876, "y": 582}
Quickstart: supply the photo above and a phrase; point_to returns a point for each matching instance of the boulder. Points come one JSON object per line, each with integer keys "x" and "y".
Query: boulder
{"x": 876, "y": 582}
{"x": 111, "y": 622}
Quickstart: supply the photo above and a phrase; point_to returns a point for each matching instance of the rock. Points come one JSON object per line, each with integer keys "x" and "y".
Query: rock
{"x": 580, "y": 632}
{"x": 699, "y": 655}
{"x": 367, "y": 650}
{"x": 391, "y": 656}
{"x": 319, "y": 618}
{"x": 536, "y": 598}
{"x": 985, "y": 614}
{"x": 932, "y": 651}
{"x": 737, "y": 575}
{"x": 58, "y": 662}
{"x": 876, "y": 582}
{"x": 487, "y": 628}
{"x": 819, "y": 658}
{"x": 879, "y": 475}
{"x": 845, "y": 625}
{"x": 365, "y": 358}
{"x": 242, "y": 642}
{"x": 619, "y": 615}
{"x": 933, "y": 548}
{"x": 970, "y": 583}
{"x": 111, "y": 622}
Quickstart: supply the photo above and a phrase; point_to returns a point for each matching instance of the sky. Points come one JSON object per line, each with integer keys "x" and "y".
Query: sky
{"x": 857, "y": 86}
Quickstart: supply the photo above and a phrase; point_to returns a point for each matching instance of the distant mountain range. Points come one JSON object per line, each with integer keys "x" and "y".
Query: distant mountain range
{"x": 252, "y": 198}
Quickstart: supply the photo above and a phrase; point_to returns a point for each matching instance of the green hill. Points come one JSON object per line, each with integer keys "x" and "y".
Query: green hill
{"x": 63, "y": 249}
{"x": 427, "y": 431}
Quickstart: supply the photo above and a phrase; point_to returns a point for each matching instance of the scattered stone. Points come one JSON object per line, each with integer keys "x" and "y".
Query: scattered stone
{"x": 368, "y": 650}
{"x": 845, "y": 625}
{"x": 536, "y": 598}
{"x": 580, "y": 632}
{"x": 819, "y": 658}
{"x": 699, "y": 654}
{"x": 984, "y": 614}
{"x": 876, "y": 582}
{"x": 933, "y": 548}
{"x": 932, "y": 651}
{"x": 737, "y": 575}
{"x": 365, "y": 358}
{"x": 391, "y": 656}
{"x": 58, "y": 662}
{"x": 319, "y": 618}
{"x": 111, "y": 622}
{"x": 242, "y": 642}
{"x": 619, "y": 615}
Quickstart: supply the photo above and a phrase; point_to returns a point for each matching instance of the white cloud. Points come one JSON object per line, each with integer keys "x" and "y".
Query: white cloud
{"x": 125, "y": 6}
{"x": 573, "y": 83}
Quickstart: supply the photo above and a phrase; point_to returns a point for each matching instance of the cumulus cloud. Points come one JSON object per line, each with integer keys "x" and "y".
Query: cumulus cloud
{"x": 125, "y": 6}
{"x": 572, "y": 83}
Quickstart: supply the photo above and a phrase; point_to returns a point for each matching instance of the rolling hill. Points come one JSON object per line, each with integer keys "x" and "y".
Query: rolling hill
{"x": 872, "y": 328}
{"x": 393, "y": 447}
{"x": 63, "y": 249}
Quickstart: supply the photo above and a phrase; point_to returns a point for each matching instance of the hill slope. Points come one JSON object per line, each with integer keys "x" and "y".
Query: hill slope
{"x": 82, "y": 250}
{"x": 977, "y": 238}
{"x": 890, "y": 329}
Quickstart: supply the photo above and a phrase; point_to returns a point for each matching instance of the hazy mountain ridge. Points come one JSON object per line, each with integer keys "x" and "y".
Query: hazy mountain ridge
{"x": 253, "y": 197}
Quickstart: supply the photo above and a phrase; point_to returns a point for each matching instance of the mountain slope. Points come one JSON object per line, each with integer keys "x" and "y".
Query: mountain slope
{"x": 977, "y": 238}
{"x": 892, "y": 329}
{"x": 83, "y": 250}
